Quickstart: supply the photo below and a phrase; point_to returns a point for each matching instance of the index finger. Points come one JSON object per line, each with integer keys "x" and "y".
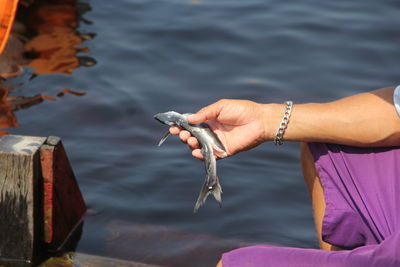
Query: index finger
{"x": 175, "y": 130}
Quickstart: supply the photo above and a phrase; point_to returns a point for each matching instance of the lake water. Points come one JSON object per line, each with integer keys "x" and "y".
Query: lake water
{"x": 159, "y": 55}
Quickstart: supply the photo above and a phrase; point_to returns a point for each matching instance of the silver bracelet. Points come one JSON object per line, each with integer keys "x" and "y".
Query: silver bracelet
{"x": 278, "y": 140}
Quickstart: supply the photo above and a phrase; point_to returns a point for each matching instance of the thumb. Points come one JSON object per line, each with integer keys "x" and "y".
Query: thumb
{"x": 210, "y": 112}
{"x": 196, "y": 118}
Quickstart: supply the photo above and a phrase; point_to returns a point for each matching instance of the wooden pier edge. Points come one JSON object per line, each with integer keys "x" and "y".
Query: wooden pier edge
{"x": 40, "y": 201}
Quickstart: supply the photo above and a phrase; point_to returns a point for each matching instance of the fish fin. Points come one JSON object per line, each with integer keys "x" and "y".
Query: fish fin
{"x": 204, "y": 192}
{"x": 165, "y": 136}
{"x": 219, "y": 151}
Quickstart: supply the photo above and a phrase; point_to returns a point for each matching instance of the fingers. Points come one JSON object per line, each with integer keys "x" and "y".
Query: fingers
{"x": 175, "y": 130}
{"x": 185, "y": 137}
{"x": 197, "y": 154}
{"x": 193, "y": 143}
{"x": 188, "y": 139}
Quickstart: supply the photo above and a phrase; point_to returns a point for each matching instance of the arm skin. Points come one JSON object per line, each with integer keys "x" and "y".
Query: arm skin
{"x": 366, "y": 119}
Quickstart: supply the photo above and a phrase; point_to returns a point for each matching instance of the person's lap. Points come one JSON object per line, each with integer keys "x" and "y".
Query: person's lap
{"x": 355, "y": 179}
{"x": 316, "y": 194}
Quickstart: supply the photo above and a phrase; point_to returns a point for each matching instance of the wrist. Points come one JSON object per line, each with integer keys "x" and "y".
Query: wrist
{"x": 271, "y": 119}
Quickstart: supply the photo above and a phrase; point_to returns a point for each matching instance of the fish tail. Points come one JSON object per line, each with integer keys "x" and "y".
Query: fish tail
{"x": 216, "y": 191}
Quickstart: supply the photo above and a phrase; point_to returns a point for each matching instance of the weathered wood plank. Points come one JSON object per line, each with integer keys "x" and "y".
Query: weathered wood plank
{"x": 20, "y": 176}
{"x": 64, "y": 206}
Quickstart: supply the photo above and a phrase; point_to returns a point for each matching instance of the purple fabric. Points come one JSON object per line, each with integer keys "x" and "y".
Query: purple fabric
{"x": 362, "y": 195}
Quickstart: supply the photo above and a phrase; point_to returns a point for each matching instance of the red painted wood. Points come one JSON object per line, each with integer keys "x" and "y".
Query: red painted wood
{"x": 63, "y": 204}
{"x": 46, "y": 158}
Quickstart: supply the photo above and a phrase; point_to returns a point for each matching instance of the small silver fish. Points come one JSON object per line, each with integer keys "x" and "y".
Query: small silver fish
{"x": 209, "y": 143}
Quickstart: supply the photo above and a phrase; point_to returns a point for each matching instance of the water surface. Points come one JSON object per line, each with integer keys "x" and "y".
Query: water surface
{"x": 160, "y": 55}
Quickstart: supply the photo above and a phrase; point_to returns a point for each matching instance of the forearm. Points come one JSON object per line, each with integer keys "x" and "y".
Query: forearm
{"x": 367, "y": 119}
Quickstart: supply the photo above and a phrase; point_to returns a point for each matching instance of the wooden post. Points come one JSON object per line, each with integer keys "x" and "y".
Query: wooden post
{"x": 40, "y": 202}
{"x": 19, "y": 195}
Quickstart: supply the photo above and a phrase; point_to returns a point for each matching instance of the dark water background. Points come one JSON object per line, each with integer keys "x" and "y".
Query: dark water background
{"x": 159, "y": 55}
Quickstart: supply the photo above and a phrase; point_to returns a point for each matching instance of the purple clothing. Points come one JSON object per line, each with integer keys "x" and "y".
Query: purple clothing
{"x": 362, "y": 195}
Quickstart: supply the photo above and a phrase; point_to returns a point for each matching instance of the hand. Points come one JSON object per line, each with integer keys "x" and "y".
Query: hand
{"x": 239, "y": 124}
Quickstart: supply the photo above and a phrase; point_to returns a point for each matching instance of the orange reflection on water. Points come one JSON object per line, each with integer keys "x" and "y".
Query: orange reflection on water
{"x": 7, "y": 117}
{"x": 9, "y": 104}
{"x": 70, "y": 91}
{"x": 49, "y": 40}
{"x": 57, "y": 41}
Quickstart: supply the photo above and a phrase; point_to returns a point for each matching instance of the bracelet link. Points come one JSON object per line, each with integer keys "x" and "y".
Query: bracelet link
{"x": 278, "y": 140}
